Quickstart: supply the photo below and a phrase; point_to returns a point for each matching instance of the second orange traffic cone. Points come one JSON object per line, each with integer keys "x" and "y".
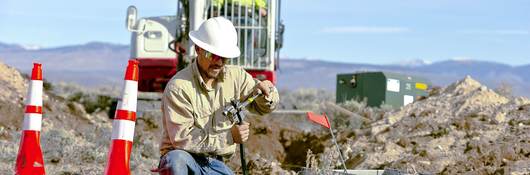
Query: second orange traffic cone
{"x": 123, "y": 124}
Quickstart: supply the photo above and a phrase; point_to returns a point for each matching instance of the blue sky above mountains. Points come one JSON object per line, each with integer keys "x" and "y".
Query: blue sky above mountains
{"x": 375, "y": 32}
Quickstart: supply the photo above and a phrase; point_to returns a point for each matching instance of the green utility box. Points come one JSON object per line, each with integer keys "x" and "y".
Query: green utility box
{"x": 381, "y": 88}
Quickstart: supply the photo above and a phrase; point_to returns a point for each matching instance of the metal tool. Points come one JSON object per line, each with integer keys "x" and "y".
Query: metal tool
{"x": 235, "y": 110}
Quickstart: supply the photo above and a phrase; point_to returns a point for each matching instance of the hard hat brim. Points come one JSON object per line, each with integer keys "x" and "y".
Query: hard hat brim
{"x": 227, "y": 52}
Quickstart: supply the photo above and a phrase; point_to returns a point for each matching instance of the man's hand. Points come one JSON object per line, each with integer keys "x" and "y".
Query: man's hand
{"x": 240, "y": 132}
{"x": 265, "y": 87}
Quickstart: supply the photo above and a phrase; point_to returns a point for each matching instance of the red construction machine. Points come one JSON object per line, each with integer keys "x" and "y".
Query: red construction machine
{"x": 162, "y": 47}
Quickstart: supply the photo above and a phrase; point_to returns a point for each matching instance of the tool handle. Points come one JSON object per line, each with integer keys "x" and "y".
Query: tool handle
{"x": 243, "y": 162}
{"x": 242, "y": 149}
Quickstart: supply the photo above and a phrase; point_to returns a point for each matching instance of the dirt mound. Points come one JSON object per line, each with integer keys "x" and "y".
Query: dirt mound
{"x": 13, "y": 84}
{"x": 466, "y": 128}
{"x": 12, "y": 91}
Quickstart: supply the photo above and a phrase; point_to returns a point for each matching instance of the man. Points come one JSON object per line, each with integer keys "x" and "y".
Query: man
{"x": 196, "y": 136}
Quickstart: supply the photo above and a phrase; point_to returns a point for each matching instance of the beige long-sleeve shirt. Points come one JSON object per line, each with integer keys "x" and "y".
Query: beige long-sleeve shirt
{"x": 192, "y": 112}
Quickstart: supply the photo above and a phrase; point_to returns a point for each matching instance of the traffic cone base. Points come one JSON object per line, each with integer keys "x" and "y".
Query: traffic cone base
{"x": 120, "y": 154}
{"x": 28, "y": 159}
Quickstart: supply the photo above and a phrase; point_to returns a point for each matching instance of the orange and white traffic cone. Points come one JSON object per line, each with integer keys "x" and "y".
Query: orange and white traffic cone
{"x": 123, "y": 124}
{"x": 29, "y": 159}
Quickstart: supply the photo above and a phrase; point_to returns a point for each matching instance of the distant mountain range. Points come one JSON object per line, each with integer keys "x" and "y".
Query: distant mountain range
{"x": 98, "y": 63}
{"x": 92, "y": 63}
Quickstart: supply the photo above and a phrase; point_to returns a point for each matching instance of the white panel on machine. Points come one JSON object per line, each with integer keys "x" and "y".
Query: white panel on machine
{"x": 392, "y": 85}
{"x": 155, "y": 41}
{"x": 153, "y": 38}
{"x": 407, "y": 99}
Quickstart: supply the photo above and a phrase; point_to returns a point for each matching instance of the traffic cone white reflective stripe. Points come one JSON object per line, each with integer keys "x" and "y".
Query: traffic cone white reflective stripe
{"x": 128, "y": 101}
{"x": 123, "y": 124}
{"x": 32, "y": 122}
{"x": 29, "y": 159}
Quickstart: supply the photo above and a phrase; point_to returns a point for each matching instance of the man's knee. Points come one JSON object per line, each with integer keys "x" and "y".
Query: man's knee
{"x": 179, "y": 156}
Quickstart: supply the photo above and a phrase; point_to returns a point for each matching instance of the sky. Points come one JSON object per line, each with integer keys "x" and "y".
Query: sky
{"x": 374, "y": 31}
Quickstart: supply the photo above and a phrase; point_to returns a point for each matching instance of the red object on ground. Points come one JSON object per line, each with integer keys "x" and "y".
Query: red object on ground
{"x": 29, "y": 158}
{"x": 320, "y": 119}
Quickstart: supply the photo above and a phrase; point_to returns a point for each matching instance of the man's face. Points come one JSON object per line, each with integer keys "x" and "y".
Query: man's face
{"x": 210, "y": 65}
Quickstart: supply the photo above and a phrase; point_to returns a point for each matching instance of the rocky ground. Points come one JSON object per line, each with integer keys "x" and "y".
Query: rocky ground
{"x": 463, "y": 128}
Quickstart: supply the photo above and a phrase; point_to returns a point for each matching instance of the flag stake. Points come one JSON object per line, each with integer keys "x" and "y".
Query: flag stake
{"x": 338, "y": 148}
{"x": 324, "y": 121}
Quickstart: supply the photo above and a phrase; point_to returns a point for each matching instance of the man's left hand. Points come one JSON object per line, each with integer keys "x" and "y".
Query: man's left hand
{"x": 240, "y": 132}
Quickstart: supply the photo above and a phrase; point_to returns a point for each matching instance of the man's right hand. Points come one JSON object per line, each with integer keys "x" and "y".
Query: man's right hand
{"x": 240, "y": 132}
{"x": 265, "y": 87}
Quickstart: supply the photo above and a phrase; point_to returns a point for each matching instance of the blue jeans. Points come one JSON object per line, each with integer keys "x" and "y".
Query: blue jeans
{"x": 181, "y": 162}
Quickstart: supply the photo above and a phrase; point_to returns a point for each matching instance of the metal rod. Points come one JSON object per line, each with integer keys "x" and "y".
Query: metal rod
{"x": 248, "y": 101}
{"x": 278, "y": 22}
{"x": 259, "y": 33}
{"x": 253, "y": 12}
{"x": 239, "y": 107}
{"x": 232, "y": 13}
{"x": 239, "y": 33}
{"x": 338, "y": 149}
{"x": 219, "y": 9}
{"x": 245, "y": 41}
{"x": 232, "y": 16}
{"x": 271, "y": 33}
{"x": 225, "y": 9}
{"x": 242, "y": 149}
{"x": 212, "y": 5}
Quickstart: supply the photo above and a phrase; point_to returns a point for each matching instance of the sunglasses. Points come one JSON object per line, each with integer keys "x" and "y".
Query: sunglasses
{"x": 214, "y": 58}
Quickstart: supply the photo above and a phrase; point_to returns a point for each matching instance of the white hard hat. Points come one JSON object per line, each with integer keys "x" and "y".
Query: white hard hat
{"x": 218, "y": 36}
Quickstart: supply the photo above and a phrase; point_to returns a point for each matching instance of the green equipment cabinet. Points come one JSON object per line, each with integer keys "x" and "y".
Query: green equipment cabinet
{"x": 381, "y": 88}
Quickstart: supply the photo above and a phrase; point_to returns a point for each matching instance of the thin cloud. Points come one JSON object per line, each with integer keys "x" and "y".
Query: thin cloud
{"x": 364, "y": 29}
{"x": 499, "y": 32}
